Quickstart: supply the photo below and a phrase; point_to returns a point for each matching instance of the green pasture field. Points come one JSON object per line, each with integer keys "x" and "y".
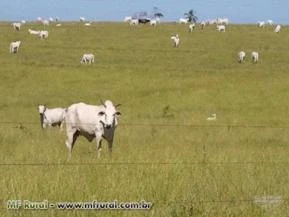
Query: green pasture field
{"x": 165, "y": 151}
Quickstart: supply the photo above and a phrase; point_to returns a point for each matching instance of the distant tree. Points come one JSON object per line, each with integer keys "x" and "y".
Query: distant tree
{"x": 157, "y": 13}
{"x": 191, "y": 16}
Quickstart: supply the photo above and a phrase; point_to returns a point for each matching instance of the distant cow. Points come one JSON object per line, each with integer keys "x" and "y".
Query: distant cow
{"x": 255, "y": 56}
{"x": 91, "y": 121}
{"x": 16, "y": 26}
{"x": 277, "y": 29}
{"x": 241, "y": 56}
{"x": 87, "y": 59}
{"x": 143, "y": 20}
{"x": 221, "y": 28}
{"x": 14, "y": 46}
{"x": 51, "y": 117}
{"x": 176, "y": 40}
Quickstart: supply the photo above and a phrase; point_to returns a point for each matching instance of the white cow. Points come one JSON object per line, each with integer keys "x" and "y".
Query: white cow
{"x": 277, "y": 29}
{"x": 183, "y": 20}
{"x": 270, "y": 22}
{"x": 81, "y": 19}
{"x": 176, "y": 40}
{"x": 14, "y": 46}
{"x": 224, "y": 21}
{"x": 261, "y": 23}
{"x": 43, "y": 34}
{"x": 16, "y": 26}
{"x": 241, "y": 56}
{"x": 33, "y": 32}
{"x": 192, "y": 27}
{"x": 91, "y": 121}
{"x": 153, "y": 22}
{"x": 87, "y": 59}
{"x": 45, "y": 22}
{"x": 51, "y": 117}
{"x": 133, "y": 22}
{"x": 88, "y": 24}
{"x": 203, "y": 24}
{"x": 127, "y": 19}
{"x": 221, "y": 28}
{"x": 255, "y": 56}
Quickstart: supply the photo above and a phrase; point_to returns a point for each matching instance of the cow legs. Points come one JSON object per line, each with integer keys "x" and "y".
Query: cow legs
{"x": 61, "y": 126}
{"x": 98, "y": 148}
{"x": 98, "y": 138}
{"x": 70, "y": 141}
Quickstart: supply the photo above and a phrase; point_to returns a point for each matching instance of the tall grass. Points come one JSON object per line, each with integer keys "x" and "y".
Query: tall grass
{"x": 165, "y": 151}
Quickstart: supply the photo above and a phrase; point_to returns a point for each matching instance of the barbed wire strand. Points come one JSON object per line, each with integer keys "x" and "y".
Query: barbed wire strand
{"x": 21, "y": 123}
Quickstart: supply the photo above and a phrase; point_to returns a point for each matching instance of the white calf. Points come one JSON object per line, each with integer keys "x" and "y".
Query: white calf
{"x": 51, "y": 117}
{"x": 87, "y": 59}
{"x": 241, "y": 56}
{"x": 255, "y": 56}
{"x": 14, "y": 46}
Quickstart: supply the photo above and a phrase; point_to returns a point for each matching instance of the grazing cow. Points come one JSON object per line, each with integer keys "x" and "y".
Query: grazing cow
{"x": 51, "y": 117}
{"x": 277, "y": 29}
{"x": 241, "y": 56}
{"x": 33, "y": 32}
{"x": 176, "y": 40}
{"x": 255, "y": 56}
{"x": 87, "y": 59}
{"x": 91, "y": 121}
{"x": 192, "y": 27}
{"x": 14, "y": 46}
{"x": 221, "y": 28}
{"x": 16, "y": 26}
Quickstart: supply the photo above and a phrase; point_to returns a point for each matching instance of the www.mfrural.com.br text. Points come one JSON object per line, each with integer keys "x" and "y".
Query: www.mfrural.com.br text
{"x": 87, "y": 205}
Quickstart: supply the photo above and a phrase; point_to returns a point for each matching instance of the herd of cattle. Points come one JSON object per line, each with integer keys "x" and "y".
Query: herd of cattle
{"x": 100, "y": 121}
{"x": 90, "y": 121}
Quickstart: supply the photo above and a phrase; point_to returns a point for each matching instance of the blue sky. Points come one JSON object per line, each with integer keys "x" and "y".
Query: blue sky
{"x": 238, "y": 11}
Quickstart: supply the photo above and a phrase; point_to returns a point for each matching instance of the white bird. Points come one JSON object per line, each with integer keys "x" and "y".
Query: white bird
{"x": 212, "y": 117}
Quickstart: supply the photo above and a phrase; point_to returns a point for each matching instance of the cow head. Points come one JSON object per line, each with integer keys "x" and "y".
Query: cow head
{"x": 41, "y": 109}
{"x": 110, "y": 114}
